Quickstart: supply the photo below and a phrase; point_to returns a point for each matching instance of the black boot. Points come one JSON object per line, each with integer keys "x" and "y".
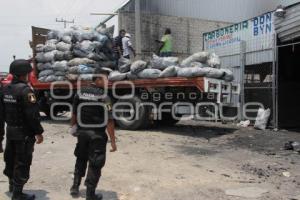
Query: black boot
{"x": 19, "y": 195}
{"x": 74, "y": 191}
{"x": 90, "y": 194}
{"x": 11, "y": 187}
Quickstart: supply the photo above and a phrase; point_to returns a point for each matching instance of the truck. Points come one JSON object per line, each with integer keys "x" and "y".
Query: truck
{"x": 140, "y": 103}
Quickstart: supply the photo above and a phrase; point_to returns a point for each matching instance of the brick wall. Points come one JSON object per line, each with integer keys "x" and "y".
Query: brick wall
{"x": 187, "y": 32}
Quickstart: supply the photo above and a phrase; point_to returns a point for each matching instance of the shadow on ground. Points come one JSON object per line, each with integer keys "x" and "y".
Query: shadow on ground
{"x": 107, "y": 195}
{"x": 39, "y": 194}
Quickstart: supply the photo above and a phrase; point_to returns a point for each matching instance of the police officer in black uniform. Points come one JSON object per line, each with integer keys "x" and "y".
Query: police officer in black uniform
{"x": 93, "y": 122}
{"x": 20, "y": 111}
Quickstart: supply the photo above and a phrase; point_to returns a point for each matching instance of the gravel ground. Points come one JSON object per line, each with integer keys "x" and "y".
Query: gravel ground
{"x": 192, "y": 160}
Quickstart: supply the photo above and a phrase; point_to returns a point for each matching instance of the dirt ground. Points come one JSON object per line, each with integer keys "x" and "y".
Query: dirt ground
{"x": 192, "y": 160}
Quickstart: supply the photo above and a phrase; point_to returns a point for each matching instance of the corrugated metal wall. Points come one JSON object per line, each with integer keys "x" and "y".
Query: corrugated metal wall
{"x": 216, "y": 10}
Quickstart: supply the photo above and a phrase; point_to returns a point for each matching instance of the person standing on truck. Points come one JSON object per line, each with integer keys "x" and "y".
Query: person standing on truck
{"x": 118, "y": 45}
{"x": 127, "y": 46}
{"x": 166, "y": 44}
{"x": 2, "y": 131}
{"x": 20, "y": 111}
{"x": 92, "y": 122}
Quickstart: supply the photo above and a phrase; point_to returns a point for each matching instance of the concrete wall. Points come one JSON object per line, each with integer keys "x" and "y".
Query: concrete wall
{"x": 187, "y": 32}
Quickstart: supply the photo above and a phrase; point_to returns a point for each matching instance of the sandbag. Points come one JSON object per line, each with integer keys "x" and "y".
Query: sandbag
{"x": 131, "y": 76}
{"x": 86, "y": 46}
{"x": 80, "y": 61}
{"x": 214, "y": 61}
{"x": 50, "y": 78}
{"x": 51, "y": 42}
{"x": 53, "y": 34}
{"x": 74, "y": 70}
{"x": 80, "y": 53}
{"x": 86, "y": 77}
{"x": 40, "y": 57}
{"x": 49, "y": 56}
{"x": 100, "y": 38}
{"x": 228, "y": 75}
{"x": 39, "y": 48}
{"x": 62, "y": 46}
{"x": 215, "y": 73}
{"x": 138, "y": 66}
{"x": 190, "y": 72}
{"x": 60, "y": 78}
{"x": 97, "y": 57}
{"x": 68, "y": 55}
{"x": 117, "y": 76}
{"x": 46, "y": 72}
{"x": 262, "y": 119}
{"x": 124, "y": 65}
{"x": 86, "y": 35}
{"x": 198, "y": 64}
{"x": 44, "y": 66}
{"x": 42, "y": 79}
{"x": 67, "y": 39}
{"x": 60, "y": 66}
{"x": 163, "y": 62}
{"x": 59, "y": 73}
{"x": 59, "y": 56}
{"x": 83, "y": 69}
{"x": 72, "y": 77}
{"x": 108, "y": 64}
{"x": 149, "y": 74}
{"x": 169, "y": 72}
{"x": 106, "y": 31}
{"x": 197, "y": 57}
{"x": 49, "y": 47}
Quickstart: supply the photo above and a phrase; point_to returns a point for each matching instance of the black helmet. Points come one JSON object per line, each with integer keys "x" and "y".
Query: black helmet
{"x": 20, "y": 67}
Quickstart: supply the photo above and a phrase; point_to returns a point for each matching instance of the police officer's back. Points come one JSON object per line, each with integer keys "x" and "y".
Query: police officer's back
{"x": 20, "y": 111}
{"x": 92, "y": 114}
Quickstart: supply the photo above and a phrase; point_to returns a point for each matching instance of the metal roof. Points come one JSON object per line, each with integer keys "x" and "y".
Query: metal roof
{"x": 216, "y": 10}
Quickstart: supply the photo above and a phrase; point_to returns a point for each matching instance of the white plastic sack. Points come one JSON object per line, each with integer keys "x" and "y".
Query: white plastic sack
{"x": 124, "y": 65}
{"x": 60, "y": 66}
{"x": 59, "y": 56}
{"x": 50, "y": 78}
{"x": 59, "y": 73}
{"x": 131, "y": 76}
{"x": 67, "y": 39}
{"x": 49, "y": 47}
{"x": 40, "y": 57}
{"x": 74, "y": 70}
{"x": 198, "y": 64}
{"x": 62, "y": 46}
{"x": 169, "y": 72}
{"x": 46, "y": 72}
{"x": 214, "y": 61}
{"x": 72, "y": 77}
{"x": 51, "y": 42}
{"x": 49, "y": 56}
{"x": 197, "y": 57}
{"x": 60, "y": 78}
{"x": 39, "y": 48}
{"x": 83, "y": 69}
{"x": 262, "y": 119}
{"x": 149, "y": 74}
{"x": 190, "y": 72}
{"x": 54, "y": 35}
{"x": 80, "y": 61}
{"x": 163, "y": 62}
{"x": 215, "y": 73}
{"x": 44, "y": 66}
{"x": 117, "y": 76}
{"x": 228, "y": 75}
{"x": 68, "y": 55}
{"x": 138, "y": 66}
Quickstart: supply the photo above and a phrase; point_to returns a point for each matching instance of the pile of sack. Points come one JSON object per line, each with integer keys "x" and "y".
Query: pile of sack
{"x": 201, "y": 64}
{"x": 74, "y": 53}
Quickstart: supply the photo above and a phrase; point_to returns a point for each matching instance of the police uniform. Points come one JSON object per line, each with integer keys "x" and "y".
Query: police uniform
{"x": 20, "y": 111}
{"x": 92, "y": 140}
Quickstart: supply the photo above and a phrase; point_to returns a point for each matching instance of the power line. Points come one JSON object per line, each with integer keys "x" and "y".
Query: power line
{"x": 65, "y": 22}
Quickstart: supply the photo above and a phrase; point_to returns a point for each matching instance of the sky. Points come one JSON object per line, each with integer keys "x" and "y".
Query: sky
{"x": 17, "y": 17}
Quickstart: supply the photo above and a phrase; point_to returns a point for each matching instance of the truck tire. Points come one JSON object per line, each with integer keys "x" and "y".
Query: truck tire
{"x": 168, "y": 120}
{"x": 143, "y": 119}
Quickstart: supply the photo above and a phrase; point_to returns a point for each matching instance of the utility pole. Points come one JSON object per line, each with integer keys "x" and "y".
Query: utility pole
{"x": 65, "y": 21}
{"x": 138, "y": 27}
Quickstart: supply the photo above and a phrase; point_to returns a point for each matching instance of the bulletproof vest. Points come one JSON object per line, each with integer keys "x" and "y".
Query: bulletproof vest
{"x": 13, "y": 110}
{"x": 91, "y": 115}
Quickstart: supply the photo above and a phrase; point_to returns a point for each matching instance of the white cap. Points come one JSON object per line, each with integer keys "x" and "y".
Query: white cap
{"x": 128, "y": 35}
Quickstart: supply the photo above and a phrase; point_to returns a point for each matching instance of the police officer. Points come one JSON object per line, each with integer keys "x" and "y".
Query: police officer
{"x": 20, "y": 111}
{"x": 92, "y": 114}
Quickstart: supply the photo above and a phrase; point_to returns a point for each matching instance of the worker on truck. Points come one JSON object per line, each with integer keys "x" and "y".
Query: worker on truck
{"x": 92, "y": 121}
{"x": 166, "y": 44}
{"x": 20, "y": 111}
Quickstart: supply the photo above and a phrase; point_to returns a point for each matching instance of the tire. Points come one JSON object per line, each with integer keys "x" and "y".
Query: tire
{"x": 140, "y": 122}
{"x": 168, "y": 120}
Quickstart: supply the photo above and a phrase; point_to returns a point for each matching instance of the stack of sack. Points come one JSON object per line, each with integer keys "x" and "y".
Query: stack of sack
{"x": 201, "y": 64}
{"x": 74, "y": 53}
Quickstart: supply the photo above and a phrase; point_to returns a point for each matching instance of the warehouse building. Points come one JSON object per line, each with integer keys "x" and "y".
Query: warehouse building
{"x": 188, "y": 19}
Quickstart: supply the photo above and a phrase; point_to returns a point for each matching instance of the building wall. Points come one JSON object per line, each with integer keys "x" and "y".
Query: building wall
{"x": 187, "y": 32}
